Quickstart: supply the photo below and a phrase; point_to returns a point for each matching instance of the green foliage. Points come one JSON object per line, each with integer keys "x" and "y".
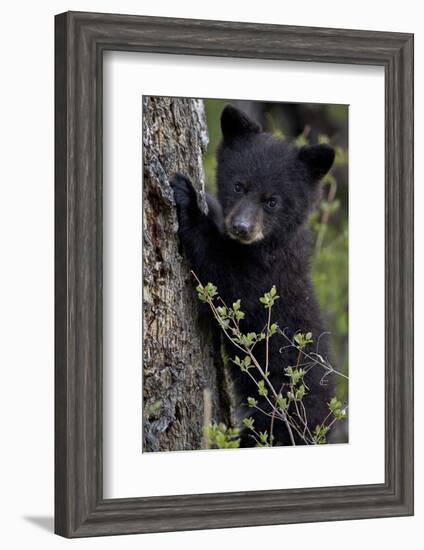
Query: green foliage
{"x": 213, "y": 108}
{"x": 251, "y": 402}
{"x": 282, "y": 403}
{"x": 302, "y": 340}
{"x": 323, "y": 138}
{"x": 262, "y": 391}
{"x": 330, "y": 279}
{"x": 244, "y": 364}
{"x": 330, "y": 261}
{"x": 300, "y": 393}
{"x": 249, "y": 339}
{"x": 228, "y": 314}
{"x": 297, "y": 394}
{"x": 337, "y": 412}
{"x": 336, "y": 408}
{"x": 206, "y": 293}
{"x": 288, "y": 408}
{"x": 342, "y": 157}
{"x": 273, "y": 329}
{"x": 320, "y": 433}
{"x": 301, "y": 140}
{"x": 268, "y": 299}
{"x": 222, "y": 437}
{"x": 248, "y": 422}
{"x": 263, "y": 439}
{"x": 295, "y": 374}
{"x": 279, "y": 134}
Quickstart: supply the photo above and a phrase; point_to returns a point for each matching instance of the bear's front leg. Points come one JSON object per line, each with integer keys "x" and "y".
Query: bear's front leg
{"x": 199, "y": 234}
{"x": 189, "y": 219}
{"x": 186, "y": 201}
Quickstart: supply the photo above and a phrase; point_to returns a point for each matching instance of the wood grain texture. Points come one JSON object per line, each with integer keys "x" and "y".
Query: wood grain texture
{"x": 179, "y": 361}
{"x": 81, "y": 39}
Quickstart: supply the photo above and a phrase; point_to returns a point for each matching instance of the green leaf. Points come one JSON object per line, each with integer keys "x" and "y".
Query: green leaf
{"x": 251, "y": 401}
{"x": 263, "y": 436}
{"x": 323, "y": 138}
{"x": 273, "y": 329}
{"x": 218, "y": 435}
{"x": 302, "y": 340}
{"x": 334, "y": 404}
{"x": 295, "y": 374}
{"x": 249, "y": 339}
{"x": 282, "y": 403}
{"x": 246, "y": 363}
{"x": 301, "y": 140}
{"x": 211, "y": 290}
{"x": 225, "y": 323}
{"x": 319, "y": 434}
{"x": 262, "y": 389}
{"x": 239, "y": 315}
{"x": 340, "y": 414}
{"x": 300, "y": 393}
{"x": 269, "y": 298}
{"x": 222, "y": 311}
{"x": 249, "y": 422}
{"x": 298, "y": 338}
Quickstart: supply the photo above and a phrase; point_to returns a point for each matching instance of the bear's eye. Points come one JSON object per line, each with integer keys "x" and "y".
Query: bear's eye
{"x": 238, "y": 187}
{"x": 271, "y": 202}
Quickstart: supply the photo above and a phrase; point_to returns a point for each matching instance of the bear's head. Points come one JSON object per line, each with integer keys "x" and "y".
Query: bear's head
{"x": 266, "y": 186}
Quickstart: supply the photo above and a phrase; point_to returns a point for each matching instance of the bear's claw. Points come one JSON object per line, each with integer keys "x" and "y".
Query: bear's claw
{"x": 184, "y": 194}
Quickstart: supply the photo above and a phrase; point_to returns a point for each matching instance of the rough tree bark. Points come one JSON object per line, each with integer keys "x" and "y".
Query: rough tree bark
{"x": 180, "y": 383}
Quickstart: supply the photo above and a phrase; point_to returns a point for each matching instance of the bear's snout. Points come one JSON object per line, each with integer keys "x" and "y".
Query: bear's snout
{"x": 241, "y": 228}
{"x": 244, "y": 224}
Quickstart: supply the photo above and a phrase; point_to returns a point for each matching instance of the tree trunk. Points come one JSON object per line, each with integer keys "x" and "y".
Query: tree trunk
{"x": 180, "y": 383}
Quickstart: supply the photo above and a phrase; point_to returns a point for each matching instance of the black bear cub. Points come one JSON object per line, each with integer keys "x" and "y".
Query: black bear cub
{"x": 255, "y": 236}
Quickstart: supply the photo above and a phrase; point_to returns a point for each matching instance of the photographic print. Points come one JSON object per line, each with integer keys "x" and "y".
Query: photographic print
{"x": 220, "y": 296}
{"x": 245, "y": 274}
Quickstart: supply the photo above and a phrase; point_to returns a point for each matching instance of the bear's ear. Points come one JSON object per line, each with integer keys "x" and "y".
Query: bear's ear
{"x": 235, "y": 123}
{"x": 318, "y": 159}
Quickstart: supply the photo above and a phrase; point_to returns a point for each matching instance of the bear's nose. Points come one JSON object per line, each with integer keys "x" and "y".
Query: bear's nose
{"x": 241, "y": 228}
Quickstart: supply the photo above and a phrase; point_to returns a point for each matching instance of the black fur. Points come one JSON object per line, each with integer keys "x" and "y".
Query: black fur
{"x": 271, "y": 186}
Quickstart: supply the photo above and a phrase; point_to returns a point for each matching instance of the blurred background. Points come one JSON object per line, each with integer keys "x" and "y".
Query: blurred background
{"x": 310, "y": 123}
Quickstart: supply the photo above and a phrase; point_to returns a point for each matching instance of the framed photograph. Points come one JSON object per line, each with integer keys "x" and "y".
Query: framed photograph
{"x": 234, "y": 274}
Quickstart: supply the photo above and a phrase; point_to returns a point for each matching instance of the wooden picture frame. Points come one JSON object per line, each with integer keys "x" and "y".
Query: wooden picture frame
{"x": 81, "y": 39}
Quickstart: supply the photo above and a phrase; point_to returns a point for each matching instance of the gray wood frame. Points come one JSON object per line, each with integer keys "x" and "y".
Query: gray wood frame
{"x": 80, "y": 40}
